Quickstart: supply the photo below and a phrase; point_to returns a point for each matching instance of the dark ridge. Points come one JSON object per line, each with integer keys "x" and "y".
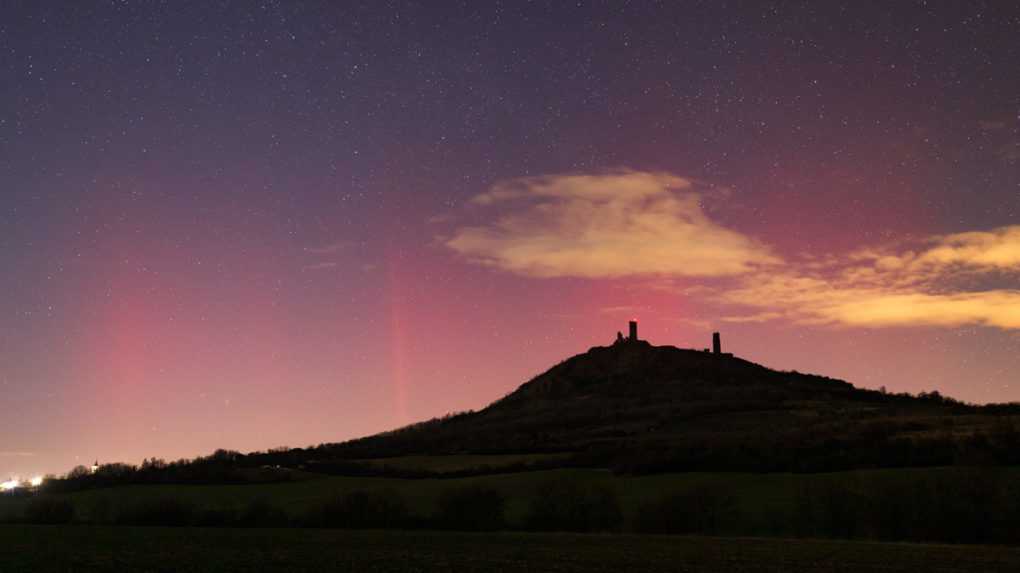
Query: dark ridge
{"x": 637, "y": 407}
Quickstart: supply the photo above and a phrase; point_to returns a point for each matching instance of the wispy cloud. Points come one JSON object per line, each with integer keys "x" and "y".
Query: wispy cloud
{"x": 1010, "y": 153}
{"x": 324, "y": 257}
{"x": 997, "y": 249}
{"x": 811, "y": 300}
{"x": 991, "y": 124}
{"x": 320, "y": 266}
{"x": 17, "y": 454}
{"x": 329, "y": 248}
{"x": 696, "y": 322}
{"x": 626, "y": 223}
{"x": 757, "y": 317}
{"x": 621, "y": 309}
{"x": 890, "y": 287}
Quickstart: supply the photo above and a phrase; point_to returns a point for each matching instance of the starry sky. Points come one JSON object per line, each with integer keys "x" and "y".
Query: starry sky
{"x": 257, "y": 224}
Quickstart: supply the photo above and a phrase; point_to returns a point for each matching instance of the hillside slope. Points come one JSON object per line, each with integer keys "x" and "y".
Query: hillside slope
{"x": 635, "y": 406}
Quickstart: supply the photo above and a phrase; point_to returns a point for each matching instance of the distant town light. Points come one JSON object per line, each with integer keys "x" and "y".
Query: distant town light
{"x": 10, "y": 485}
{"x": 35, "y": 481}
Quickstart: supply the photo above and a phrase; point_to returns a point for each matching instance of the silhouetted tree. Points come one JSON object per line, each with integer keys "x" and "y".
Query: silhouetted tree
{"x": 49, "y": 510}
{"x": 471, "y": 508}
{"x": 703, "y": 509}
{"x": 78, "y": 472}
{"x": 166, "y": 511}
{"x": 261, "y": 513}
{"x": 564, "y": 505}
{"x": 361, "y": 510}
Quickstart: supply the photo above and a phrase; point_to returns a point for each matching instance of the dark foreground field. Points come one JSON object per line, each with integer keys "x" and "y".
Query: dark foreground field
{"x": 88, "y": 548}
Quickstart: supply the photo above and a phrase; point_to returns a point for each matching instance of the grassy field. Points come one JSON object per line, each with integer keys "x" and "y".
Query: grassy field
{"x": 761, "y": 498}
{"x": 458, "y": 462}
{"x": 763, "y": 503}
{"x": 42, "y": 549}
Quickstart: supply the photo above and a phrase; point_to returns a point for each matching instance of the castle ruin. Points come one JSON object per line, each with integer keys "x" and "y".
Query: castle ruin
{"x": 632, "y": 336}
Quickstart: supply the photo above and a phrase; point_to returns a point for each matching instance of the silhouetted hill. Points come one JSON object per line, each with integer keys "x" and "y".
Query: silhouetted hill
{"x": 638, "y": 407}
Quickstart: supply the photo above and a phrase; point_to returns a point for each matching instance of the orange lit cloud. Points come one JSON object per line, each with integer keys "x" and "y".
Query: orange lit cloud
{"x": 759, "y": 317}
{"x": 618, "y": 224}
{"x": 889, "y": 287}
{"x": 998, "y": 249}
{"x": 810, "y": 300}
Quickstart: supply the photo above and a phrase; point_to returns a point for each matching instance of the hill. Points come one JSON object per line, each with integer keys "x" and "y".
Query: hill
{"x": 637, "y": 407}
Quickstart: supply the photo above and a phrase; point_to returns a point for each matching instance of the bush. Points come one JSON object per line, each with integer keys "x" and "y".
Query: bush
{"x": 261, "y": 513}
{"x": 834, "y": 507}
{"x": 100, "y": 511}
{"x": 217, "y": 517}
{"x": 471, "y": 508}
{"x": 161, "y": 511}
{"x": 956, "y": 506}
{"x": 49, "y": 510}
{"x": 568, "y": 506}
{"x": 360, "y": 510}
{"x": 700, "y": 510}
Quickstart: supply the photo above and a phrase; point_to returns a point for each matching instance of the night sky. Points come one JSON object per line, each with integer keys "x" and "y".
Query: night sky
{"x": 256, "y": 224}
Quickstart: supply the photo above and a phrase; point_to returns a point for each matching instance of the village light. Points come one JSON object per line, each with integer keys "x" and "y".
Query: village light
{"x": 10, "y": 485}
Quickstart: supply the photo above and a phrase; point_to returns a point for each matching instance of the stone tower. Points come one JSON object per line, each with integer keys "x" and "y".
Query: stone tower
{"x": 716, "y": 343}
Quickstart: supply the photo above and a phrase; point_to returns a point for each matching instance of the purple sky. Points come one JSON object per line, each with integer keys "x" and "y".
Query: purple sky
{"x": 260, "y": 224}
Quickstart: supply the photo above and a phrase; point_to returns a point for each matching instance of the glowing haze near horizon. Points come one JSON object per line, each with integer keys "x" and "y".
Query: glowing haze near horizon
{"x": 275, "y": 223}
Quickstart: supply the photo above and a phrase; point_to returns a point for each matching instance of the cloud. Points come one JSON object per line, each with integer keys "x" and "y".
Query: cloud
{"x": 701, "y": 323}
{"x": 991, "y": 124}
{"x": 323, "y": 256}
{"x": 655, "y": 227}
{"x": 998, "y": 249}
{"x": 320, "y": 266}
{"x": 812, "y": 300}
{"x": 329, "y": 248}
{"x": 999, "y": 308}
{"x": 17, "y": 454}
{"x": 885, "y": 287}
{"x": 620, "y": 224}
{"x": 622, "y": 309}
{"x": 1010, "y": 153}
{"x": 758, "y": 317}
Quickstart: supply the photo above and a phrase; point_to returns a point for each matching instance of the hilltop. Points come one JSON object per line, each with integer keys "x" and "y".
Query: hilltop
{"x": 633, "y": 406}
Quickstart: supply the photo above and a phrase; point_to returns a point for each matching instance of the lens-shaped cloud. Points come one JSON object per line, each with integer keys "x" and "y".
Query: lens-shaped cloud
{"x": 618, "y": 224}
